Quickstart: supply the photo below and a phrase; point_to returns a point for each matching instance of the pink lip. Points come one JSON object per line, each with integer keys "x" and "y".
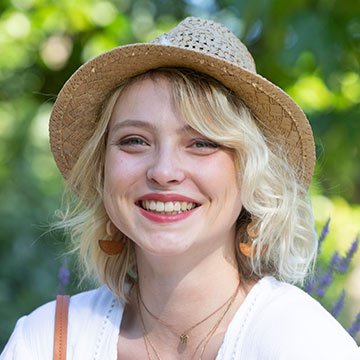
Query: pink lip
{"x": 166, "y": 218}
{"x": 167, "y": 197}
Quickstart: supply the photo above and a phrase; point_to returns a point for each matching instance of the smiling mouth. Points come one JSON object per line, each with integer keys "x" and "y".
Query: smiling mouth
{"x": 169, "y": 207}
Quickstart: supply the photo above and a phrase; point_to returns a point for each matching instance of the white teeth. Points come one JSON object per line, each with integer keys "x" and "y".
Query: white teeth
{"x": 169, "y": 207}
{"x": 160, "y": 206}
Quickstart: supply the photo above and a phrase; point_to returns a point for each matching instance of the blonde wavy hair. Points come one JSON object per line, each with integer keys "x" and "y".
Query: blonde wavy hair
{"x": 272, "y": 197}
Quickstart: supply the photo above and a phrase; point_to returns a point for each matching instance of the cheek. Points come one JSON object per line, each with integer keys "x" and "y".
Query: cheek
{"x": 124, "y": 175}
{"x": 221, "y": 181}
{"x": 120, "y": 170}
{"x": 220, "y": 174}
{"x": 119, "y": 174}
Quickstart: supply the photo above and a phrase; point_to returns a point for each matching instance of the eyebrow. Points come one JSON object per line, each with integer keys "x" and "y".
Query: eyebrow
{"x": 145, "y": 125}
{"x": 133, "y": 123}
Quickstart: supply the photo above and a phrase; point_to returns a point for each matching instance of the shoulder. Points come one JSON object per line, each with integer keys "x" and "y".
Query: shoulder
{"x": 41, "y": 320}
{"x": 91, "y": 313}
{"x": 34, "y": 332}
{"x": 292, "y": 323}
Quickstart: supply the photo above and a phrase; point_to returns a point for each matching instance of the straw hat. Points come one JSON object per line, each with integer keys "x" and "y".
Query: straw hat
{"x": 201, "y": 45}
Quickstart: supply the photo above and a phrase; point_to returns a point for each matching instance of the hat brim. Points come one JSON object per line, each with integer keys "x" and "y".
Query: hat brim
{"x": 79, "y": 103}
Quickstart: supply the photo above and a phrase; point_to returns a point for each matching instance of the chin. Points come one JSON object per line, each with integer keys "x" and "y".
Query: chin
{"x": 165, "y": 246}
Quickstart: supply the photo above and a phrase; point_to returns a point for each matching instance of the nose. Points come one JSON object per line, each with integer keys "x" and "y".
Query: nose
{"x": 165, "y": 169}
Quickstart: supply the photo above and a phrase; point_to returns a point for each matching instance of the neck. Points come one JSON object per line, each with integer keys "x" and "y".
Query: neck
{"x": 166, "y": 280}
{"x": 182, "y": 290}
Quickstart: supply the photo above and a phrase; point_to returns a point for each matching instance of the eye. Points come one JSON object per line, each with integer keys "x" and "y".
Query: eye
{"x": 203, "y": 147}
{"x": 202, "y": 143}
{"x": 132, "y": 144}
{"x": 132, "y": 141}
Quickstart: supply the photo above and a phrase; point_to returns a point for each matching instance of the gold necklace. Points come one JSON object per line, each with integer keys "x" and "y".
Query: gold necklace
{"x": 147, "y": 341}
{"x": 184, "y": 336}
{"x": 204, "y": 341}
{"x": 209, "y": 335}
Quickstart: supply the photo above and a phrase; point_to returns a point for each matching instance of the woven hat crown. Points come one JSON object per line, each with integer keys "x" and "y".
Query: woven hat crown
{"x": 210, "y": 38}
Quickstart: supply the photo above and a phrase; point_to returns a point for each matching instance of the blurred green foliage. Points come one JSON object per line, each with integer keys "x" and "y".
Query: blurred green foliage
{"x": 310, "y": 48}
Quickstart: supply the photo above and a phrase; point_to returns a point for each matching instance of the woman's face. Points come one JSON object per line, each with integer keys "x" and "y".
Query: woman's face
{"x": 166, "y": 186}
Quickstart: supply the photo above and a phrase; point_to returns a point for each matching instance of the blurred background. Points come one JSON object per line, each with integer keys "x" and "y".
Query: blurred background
{"x": 310, "y": 48}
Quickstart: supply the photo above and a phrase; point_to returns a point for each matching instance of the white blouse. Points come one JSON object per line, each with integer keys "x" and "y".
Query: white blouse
{"x": 277, "y": 321}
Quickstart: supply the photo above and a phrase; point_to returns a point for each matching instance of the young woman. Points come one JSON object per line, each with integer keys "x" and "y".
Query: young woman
{"x": 191, "y": 174}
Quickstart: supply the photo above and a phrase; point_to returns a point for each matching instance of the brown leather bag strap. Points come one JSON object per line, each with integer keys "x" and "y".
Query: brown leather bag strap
{"x": 61, "y": 324}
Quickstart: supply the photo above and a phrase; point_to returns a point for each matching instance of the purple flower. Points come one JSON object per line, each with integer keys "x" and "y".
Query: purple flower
{"x": 355, "y": 326}
{"x": 346, "y": 260}
{"x": 63, "y": 277}
{"x": 325, "y": 280}
{"x": 339, "y": 305}
{"x": 334, "y": 262}
{"x": 323, "y": 233}
{"x": 319, "y": 282}
{"x": 310, "y": 284}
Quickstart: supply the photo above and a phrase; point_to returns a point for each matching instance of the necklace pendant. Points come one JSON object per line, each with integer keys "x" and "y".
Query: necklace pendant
{"x": 184, "y": 338}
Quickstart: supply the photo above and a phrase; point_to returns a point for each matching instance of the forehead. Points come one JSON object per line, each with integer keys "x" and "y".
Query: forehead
{"x": 144, "y": 91}
{"x": 156, "y": 85}
{"x": 146, "y": 100}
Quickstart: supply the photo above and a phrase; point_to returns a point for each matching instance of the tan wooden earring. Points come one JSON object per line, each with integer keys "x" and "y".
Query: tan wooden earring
{"x": 252, "y": 231}
{"x": 112, "y": 246}
{"x": 246, "y": 248}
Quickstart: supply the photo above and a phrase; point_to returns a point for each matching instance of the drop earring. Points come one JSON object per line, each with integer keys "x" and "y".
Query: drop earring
{"x": 246, "y": 248}
{"x": 112, "y": 246}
